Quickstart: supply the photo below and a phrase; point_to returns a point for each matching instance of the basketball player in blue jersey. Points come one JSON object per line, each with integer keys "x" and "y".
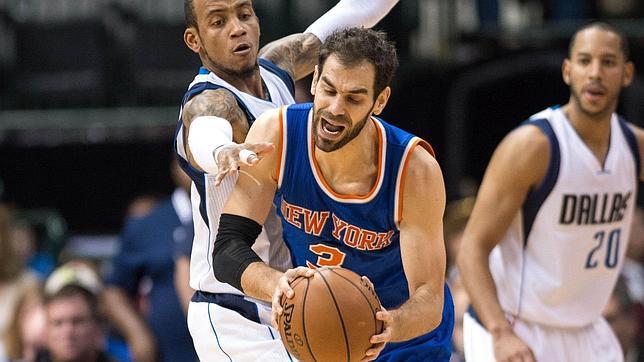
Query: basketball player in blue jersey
{"x": 352, "y": 191}
{"x": 237, "y": 83}
{"x": 546, "y": 240}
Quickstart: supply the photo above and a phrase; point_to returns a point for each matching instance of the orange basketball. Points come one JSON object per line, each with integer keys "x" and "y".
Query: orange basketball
{"x": 331, "y": 316}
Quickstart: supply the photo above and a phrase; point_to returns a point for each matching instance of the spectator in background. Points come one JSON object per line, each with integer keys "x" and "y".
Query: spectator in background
{"x": 26, "y": 333}
{"x": 73, "y": 332}
{"x": 147, "y": 252}
{"x": 15, "y": 279}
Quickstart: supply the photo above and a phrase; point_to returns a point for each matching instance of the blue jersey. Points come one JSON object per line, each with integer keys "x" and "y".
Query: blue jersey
{"x": 360, "y": 233}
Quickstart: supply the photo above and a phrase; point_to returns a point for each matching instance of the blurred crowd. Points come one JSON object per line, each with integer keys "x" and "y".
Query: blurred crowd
{"x": 60, "y": 308}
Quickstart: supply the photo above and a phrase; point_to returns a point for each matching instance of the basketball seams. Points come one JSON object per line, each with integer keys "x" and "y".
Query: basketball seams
{"x": 375, "y": 320}
{"x": 306, "y": 337}
{"x": 337, "y": 308}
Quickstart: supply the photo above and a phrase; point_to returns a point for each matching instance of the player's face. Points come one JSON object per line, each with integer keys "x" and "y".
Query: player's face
{"x": 228, "y": 35}
{"x": 343, "y": 102}
{"x": 596, "y": 72}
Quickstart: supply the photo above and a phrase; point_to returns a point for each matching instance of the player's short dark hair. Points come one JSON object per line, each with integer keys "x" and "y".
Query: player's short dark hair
{"x": 189, "y": 14}
{"x": 355, "y": 45}
{"x": 605, "y": 27}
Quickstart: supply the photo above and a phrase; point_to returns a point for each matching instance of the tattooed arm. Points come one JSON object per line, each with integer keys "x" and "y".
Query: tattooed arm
{"x": 297, "y": 54}
{"x": 218, "y": 105}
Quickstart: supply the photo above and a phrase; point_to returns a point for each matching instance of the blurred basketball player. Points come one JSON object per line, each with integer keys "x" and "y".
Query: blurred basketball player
{"x": 546, "y": 240}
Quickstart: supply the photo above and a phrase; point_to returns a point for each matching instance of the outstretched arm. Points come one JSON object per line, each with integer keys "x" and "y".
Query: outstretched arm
{"x": 212, "y": 121}
{"x": 245, "y": 211}
{"x": 518, "y": 164}
{"x": 297, "y": 53}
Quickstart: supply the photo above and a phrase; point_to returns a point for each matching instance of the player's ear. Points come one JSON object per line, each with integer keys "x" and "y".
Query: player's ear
{"x": 381, "y": 101}
{"x": 629, "y": 71}
{"x": 565, "y": 71}
{"x": 191, "y": 38}
{"x": 314, "y": 82}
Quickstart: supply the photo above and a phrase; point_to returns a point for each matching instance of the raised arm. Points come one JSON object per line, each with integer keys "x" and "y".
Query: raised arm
{"x": 297, "y": 53}
{"x": 212, "y": 122}
{"x": 518, "y": 164}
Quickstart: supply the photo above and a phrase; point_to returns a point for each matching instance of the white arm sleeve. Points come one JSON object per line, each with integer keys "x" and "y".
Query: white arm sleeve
{"x": 205, "y": 135}
{"x": 350, "y": 13}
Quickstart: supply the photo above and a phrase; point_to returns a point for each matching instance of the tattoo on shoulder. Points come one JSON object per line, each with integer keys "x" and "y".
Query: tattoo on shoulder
{"x": 217, "y": 102}
{"x": 297, "y": 53}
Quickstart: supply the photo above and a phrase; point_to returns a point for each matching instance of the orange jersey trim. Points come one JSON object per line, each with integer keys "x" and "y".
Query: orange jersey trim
{"x": 380, "y": 172}
{"x": 280, "y": 147}
{"x": 403, "y": 175}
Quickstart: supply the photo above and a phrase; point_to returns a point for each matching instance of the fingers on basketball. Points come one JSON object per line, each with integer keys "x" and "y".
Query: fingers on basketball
{"x": 331, "y": 316}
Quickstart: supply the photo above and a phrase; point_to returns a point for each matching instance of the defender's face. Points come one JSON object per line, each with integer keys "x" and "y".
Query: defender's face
{"x": 228, "y": 35}
{"x": 343, "y": 102}
{"x": 596, "y": 71}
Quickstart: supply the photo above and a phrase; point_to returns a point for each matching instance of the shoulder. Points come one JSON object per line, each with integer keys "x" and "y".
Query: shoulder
{"x": 267, "y": 124}
{"x": 522, "y": 157}
{"x": 211, "y": 102}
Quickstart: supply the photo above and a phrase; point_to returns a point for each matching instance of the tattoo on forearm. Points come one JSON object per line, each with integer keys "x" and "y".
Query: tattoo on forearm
{"x": 297, "y": 54}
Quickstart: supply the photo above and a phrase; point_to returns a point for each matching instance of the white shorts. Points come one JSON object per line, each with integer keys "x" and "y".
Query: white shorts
{"x": 223, "y": 334}
{"x": 596, "y": 342}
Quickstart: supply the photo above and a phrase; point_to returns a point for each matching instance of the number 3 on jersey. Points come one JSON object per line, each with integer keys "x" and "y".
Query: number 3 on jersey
{"x": 612, "y": 249}
{"x": 327, "y": 256}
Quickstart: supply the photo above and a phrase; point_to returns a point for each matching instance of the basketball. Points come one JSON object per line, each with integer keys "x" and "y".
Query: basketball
{"x": 331, "y": 316}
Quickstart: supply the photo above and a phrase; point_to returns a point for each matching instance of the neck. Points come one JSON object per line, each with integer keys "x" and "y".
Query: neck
{"x": 352, "y": 169}
{"x": 593, "y": 129}
{"x": 249, "y": 82}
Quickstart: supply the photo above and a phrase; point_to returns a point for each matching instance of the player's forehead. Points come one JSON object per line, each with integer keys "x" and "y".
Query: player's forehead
{"x": 205, "y": 7}
{"x": 351, "y": 78}
{"x": 597, "y": 42}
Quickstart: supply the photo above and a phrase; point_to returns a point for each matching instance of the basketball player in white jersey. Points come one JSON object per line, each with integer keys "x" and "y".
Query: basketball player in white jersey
{"x": 236, "y": 83}
{"x": 546, "y": 240}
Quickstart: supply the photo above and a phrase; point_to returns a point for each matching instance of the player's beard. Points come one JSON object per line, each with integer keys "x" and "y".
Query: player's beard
{"x": 330, "y": 146}
{"x": 608, "y": 108}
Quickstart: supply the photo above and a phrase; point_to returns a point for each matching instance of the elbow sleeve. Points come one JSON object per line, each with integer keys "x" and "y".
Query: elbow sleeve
{"x": 232, "y": 251}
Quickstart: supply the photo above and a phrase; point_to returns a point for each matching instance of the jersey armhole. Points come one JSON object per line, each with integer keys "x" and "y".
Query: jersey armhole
{"x": 281, "y": 149}
{"x": 402, "y": 174}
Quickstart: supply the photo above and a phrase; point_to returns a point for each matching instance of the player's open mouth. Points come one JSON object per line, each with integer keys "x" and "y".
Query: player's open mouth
{"x": 330, "y": 128}
{"x": 242, "y": 49}
{"x": 594, "y": 92}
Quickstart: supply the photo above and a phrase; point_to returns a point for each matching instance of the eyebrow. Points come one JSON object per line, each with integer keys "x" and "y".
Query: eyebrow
{"x": 359, "y": 90}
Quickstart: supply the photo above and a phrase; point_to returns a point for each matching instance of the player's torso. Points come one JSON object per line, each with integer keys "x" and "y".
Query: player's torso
{"x": 324, "y": 228}
{"x": 575, "y": 240}
{"x": 208, "y": 200}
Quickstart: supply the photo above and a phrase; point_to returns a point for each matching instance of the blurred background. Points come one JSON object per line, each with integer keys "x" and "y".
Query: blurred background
{"x": 90, "y": 89}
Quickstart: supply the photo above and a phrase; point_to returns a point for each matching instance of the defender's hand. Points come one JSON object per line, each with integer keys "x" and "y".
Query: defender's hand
{"x": 229, "y": 157}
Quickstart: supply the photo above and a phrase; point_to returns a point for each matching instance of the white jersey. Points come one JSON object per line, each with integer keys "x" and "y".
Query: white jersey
{"x": 208, "y": 200}
{"x": 560, "y": 259}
